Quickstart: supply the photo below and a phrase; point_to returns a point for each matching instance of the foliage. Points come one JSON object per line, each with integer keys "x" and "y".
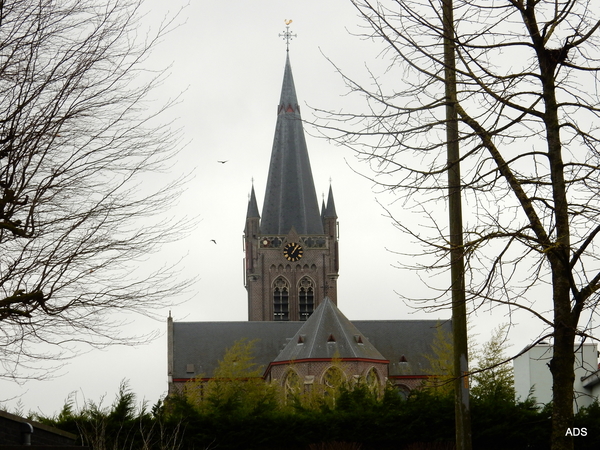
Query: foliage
{"x": 500, "y": 423}
{"x": 262, "y": 418}
{"x": 237, "y": 386}
{"x": 347, "y": 411}
{"x": 493, "y": 374}
{"x": 335, "y": 446}
{"x": 588, "y": 417}
{"x": 441, "y": 362}
{"x": 425, "y": 420}
{"x": 123, "y": 424}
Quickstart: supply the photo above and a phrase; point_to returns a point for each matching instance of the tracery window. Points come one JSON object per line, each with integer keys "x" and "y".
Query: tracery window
{"x": 333, "y": 377}
{"x": 332, "y": 380}
{"x": 281, "y": 304}
{"x": 372, "y": 380}
{"x": 292, "y": 384}
{"x": 306, "y": 298}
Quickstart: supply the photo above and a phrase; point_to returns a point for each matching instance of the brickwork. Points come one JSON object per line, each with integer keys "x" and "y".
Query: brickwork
{"x": 312, "y": 372}
{"x": 315, "y": 370}
{"x": 410, "y": 383}
{"x": 265, "y": 263}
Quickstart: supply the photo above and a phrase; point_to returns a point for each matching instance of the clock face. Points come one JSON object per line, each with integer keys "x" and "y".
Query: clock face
{"x": 292, "y": 251}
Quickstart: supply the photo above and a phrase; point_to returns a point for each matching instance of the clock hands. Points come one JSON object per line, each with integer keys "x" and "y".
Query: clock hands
{"x": 292, "y": 251}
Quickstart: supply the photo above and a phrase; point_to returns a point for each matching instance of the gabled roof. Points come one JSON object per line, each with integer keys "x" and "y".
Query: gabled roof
{"x": 328, "y": 334}
{"x": 290, "y": 197}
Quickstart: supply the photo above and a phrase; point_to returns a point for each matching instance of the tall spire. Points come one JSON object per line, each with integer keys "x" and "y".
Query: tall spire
{"x": 290, "y": 197}
{"x": 252, "y": 205}
{"x": 330, "y": 211}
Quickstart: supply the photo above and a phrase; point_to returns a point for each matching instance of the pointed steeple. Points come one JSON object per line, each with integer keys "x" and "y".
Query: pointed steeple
{"x": 252, "y": 206}
{"x": 290, "y": 197}
{"x": 330, "y": 210}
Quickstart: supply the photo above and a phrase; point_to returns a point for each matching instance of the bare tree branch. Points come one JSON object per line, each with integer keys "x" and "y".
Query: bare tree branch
{"x": 83, "y": 146}
{"x": 527, "y": 80}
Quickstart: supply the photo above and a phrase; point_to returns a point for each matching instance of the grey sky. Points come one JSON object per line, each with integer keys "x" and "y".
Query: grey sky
{"x": 228, "y": 59}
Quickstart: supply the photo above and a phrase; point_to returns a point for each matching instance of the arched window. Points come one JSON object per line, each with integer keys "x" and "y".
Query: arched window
{"x": 291, "y": 384}
{"x": 281, "y": 304}
{"x": 306, "y": 298}
{"x": 402, "y": 391}
{"x": 372, "y": 380}
{"x": 334, "y": 377}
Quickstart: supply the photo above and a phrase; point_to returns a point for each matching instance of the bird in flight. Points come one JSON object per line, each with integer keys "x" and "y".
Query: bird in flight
{"x": 213, "y": 241}
{"x": 223, "y": 162}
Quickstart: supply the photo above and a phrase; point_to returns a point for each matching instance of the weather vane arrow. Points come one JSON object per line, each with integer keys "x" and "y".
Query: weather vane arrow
{"x": 287, "y": 35}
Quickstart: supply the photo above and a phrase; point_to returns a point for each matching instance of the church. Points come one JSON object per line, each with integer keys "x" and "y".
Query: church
{"x": 291, "y": 277}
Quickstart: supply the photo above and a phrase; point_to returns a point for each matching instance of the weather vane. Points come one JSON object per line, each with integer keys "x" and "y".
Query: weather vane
{"x": 287, "y": 35}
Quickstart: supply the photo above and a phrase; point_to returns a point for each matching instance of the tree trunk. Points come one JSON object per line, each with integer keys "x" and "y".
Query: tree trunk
{"x": 462, "y": 411}
{"x": 558, "y": 253}
{"x": 561, "y": 366}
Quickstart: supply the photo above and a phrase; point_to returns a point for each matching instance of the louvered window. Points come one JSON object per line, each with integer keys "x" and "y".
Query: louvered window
{"x": 306, "y": 298}
{"x": 281, "y": 304}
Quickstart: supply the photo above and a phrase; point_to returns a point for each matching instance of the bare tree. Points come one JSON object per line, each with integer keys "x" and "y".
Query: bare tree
{"x": 81, "y": 201}
{"x": 528, "y": 96}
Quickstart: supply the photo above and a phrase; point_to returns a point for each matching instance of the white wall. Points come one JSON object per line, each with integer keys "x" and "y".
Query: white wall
{"x": 532, "y": 372}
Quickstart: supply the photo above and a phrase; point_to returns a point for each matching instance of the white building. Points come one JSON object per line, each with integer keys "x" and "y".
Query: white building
{"x": 532, "y": 374}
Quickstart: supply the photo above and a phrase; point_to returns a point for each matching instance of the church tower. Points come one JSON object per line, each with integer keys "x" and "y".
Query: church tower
{"x": 291, "y": 251}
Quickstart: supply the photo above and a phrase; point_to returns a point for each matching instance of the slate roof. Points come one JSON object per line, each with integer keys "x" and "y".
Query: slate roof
{"x": 328, "y": 334}
{"x": 203, "y": 344}
{"x": 252, "y": 206}
{"x": 290, "y": 196}
{"x": 330, "y": 211}
{"x": 404, "y": 342}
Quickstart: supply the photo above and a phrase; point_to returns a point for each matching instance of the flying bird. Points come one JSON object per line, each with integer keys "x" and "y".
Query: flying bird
{"x": 223, "y": 162}
{"x": 213, "y": 241}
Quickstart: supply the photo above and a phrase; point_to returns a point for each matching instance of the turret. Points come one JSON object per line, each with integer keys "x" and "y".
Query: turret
{"x": 251, "y": 232}
{"x": 330, "y": 227}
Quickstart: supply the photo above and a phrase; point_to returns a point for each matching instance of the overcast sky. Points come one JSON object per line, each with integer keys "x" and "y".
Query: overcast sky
{"x": 228, "y": 59}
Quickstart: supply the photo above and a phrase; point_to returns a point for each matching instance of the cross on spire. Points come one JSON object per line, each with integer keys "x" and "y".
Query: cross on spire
{"x": 287, "y": 35}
